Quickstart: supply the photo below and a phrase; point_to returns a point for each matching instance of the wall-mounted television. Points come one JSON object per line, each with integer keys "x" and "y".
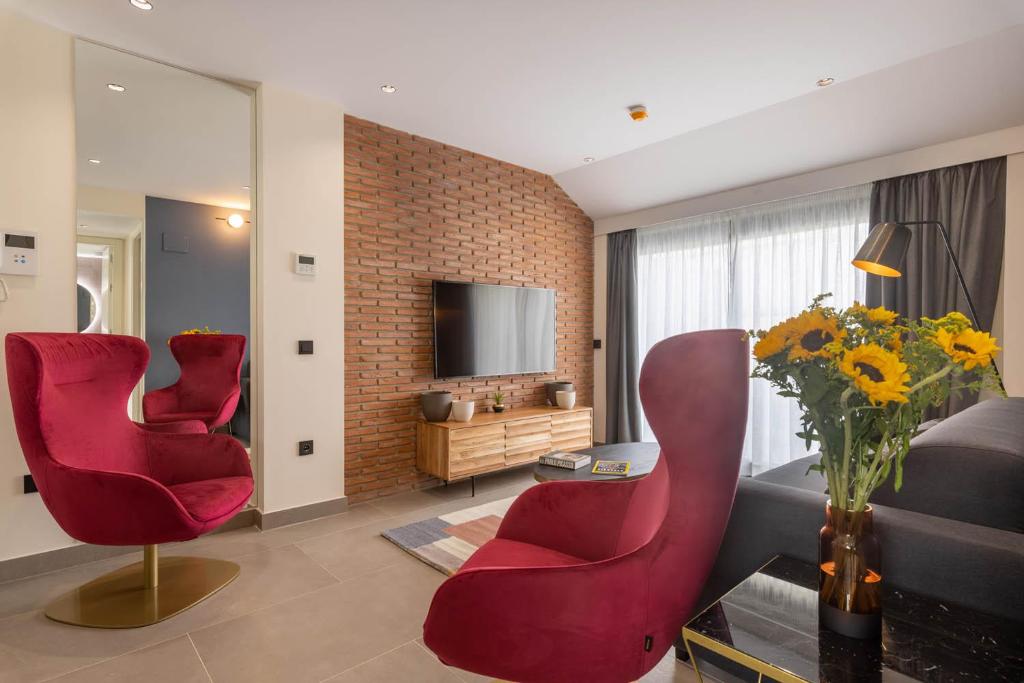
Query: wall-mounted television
{"x": 485, "y": 330}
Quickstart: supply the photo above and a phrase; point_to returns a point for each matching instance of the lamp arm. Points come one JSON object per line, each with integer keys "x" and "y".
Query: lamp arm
{"x": 956, "y": 266}
{"x": 963, "y": 283}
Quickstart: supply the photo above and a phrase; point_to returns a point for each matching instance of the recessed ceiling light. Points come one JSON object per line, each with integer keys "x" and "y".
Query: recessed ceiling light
{"x": 388, "y": 88}
{"x": 823, "y": 82}
{"x": 144, "y": 5}
{"x": 82, "y": 225}
{"x": 115, "y": 87}
{"x": 587, "y": 160}
{"x": 95, "y": 161}
{"x": 245, "y": 187}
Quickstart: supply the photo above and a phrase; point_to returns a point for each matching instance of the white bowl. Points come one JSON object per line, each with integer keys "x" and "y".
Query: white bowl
{"x": 462, "y": 411}
{"x": 566, "y": 399}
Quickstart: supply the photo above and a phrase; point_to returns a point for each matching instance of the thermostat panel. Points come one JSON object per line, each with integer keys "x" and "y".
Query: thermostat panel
{"x": 305, "y": 264}
{"x": 19, "y": 253}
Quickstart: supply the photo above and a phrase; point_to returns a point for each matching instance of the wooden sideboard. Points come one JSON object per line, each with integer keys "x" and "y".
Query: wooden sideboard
{"x": 493, "y": 441}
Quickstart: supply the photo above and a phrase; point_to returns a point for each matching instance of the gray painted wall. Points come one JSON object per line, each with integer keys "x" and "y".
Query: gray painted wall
{"x": 207, "y": 286}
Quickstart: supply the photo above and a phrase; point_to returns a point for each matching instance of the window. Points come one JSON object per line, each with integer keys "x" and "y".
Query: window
{"x": 750, "y": 268}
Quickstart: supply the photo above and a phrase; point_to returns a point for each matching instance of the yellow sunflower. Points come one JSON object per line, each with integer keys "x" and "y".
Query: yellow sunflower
{"x": 810, "y": 335}
{"x": 878, "y": 372}
{"x": 881, "y": 314}
{"x": 774, "y": 341}
{"x": 969, "y": 347}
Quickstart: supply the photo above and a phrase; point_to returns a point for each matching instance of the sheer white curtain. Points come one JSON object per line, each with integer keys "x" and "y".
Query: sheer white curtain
{"x": 750, "y": 268}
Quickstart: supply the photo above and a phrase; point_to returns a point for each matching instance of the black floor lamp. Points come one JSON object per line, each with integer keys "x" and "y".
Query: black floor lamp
{"x": 885, "y": 249}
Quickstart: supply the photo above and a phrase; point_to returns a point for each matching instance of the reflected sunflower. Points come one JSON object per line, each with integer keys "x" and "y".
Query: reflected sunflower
{"x": 810, "y": 335}
{"x": 968, "y": 347}
{"x": 878, "y": 372}
{"x": 879, "y": 315}
{"x": 773, "y": 342}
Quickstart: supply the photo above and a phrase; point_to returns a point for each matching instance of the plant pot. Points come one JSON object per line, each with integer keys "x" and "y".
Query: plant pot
{"x": 551, "y": 389}
{"x": 498, "y": 408}
{"x": 462, "y": 411}
{"x": 849, "y": 574}
{"x": 565, "y": 399}
{"x": 436, "y": 405}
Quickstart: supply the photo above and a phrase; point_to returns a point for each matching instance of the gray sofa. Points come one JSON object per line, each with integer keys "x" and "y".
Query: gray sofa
{"x": 954, "y": 532}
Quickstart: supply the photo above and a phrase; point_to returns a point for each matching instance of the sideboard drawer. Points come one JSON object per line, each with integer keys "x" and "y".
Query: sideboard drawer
{"x": 527, "y": 440}
{"x": 472, "y": 450}
{"x": 571, "y": 431}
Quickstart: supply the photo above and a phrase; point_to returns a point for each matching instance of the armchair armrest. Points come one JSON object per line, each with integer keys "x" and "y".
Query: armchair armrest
{"x": 160, "y": 401}
{"x": 124, "y": 508}
{"x": 181, "y": 458}
{"x": 570, "y": 613}
{"x": 183, "y": 427}
{"x": 585, "y": 519}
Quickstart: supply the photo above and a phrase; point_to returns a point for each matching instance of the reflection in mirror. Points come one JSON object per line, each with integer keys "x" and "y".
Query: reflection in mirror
{"x": 86, "y": 308}
{"x": 164, "y": 169}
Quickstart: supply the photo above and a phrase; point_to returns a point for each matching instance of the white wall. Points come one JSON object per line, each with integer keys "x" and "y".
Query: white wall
{"x": 300, "y": 207}
{"x": 985, "y": 146}
{"x": 1011, "y": 292}
{"x": 1009, "y": 322}
{"x": 37, "y": 192}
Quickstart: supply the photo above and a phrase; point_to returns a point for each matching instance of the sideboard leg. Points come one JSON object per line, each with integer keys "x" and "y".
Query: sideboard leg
{"x": 472, "y": 485}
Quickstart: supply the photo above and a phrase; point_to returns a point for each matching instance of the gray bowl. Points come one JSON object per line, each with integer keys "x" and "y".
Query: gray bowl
{"x": 436, "y": 405}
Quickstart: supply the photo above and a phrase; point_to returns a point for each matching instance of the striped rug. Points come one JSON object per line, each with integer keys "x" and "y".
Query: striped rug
{"x": 447, "y": 541}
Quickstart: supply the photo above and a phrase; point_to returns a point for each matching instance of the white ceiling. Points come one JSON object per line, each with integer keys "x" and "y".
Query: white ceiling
{"x": 966, "y": 90}
{"x": 544, "y": 83}
{"x": 171, "y": 134}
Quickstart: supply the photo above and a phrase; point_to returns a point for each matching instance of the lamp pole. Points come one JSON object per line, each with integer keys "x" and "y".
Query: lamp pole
{"x": 963, "y": 284}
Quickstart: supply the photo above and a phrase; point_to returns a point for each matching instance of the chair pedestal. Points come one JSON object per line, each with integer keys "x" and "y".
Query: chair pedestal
{"x": 143, "y": 593}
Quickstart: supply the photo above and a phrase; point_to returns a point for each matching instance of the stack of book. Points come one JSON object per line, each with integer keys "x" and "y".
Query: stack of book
{"x": 567, "y": 461}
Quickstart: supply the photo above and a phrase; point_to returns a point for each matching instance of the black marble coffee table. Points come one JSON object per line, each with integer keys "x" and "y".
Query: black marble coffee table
{"x": 768, "y": 625}
{"x": 642, "y": 458}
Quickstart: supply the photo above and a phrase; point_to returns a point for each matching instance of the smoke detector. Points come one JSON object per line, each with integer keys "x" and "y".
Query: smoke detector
{"x": 638, "y": 112}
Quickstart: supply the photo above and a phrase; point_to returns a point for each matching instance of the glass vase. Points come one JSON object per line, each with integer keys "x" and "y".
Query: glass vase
{"x": 849, "y": 574}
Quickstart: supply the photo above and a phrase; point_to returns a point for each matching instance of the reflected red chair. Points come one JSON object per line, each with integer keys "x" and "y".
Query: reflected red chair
{"x": 108, "y": 481}
{"x": 209, "y": 385}
{"x": 592, "y": 581}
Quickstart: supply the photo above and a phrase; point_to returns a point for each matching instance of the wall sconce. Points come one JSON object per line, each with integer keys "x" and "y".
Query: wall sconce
{"x": 235, "y": 220}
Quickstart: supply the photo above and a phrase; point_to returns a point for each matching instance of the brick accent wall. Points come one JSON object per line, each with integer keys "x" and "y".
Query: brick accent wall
{"x": 418, "y": 210}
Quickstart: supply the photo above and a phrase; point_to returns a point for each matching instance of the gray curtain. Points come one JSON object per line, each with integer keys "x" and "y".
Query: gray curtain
{"x": 970, "y": 200}
{"x": 623, "y": 422}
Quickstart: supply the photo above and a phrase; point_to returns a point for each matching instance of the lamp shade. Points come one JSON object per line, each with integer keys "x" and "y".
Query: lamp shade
{"x": 884, "y": 250}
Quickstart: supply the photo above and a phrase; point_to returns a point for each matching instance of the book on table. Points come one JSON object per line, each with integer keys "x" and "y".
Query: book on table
{"x": 567, "y": 461}
{"x": 615, "y": 468}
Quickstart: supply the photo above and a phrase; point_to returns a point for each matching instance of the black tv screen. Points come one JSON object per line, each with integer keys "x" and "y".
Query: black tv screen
{"x": 482, "y": 330}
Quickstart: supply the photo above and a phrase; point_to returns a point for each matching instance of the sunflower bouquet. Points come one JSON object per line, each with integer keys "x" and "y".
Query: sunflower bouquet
{"x": 863, "y": 378}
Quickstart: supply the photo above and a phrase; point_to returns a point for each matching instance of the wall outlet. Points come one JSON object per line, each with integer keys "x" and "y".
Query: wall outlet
{"x": 30, "y": 484}
{"x": 306, "y": 447}
{"x": 597, "y": 343}
{"x": 305, "y": 347}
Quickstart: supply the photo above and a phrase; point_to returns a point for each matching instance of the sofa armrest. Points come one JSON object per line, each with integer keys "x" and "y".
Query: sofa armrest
{"x": 933, "y": 556}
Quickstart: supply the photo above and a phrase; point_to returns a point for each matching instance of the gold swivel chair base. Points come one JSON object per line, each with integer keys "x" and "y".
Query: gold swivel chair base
{"x": 143, "y": 593}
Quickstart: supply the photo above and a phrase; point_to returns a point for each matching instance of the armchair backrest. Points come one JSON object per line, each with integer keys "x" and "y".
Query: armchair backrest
{"x": 211, "y": 365}
{"x": 70, "y": 395}
{"x": 694, "y": 392}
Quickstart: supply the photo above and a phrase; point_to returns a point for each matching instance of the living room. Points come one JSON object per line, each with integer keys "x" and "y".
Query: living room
{"x": 511, "y": 342}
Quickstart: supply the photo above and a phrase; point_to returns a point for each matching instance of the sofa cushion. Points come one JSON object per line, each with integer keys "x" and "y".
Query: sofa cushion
{"x": 795, "y": 474}
{"x": 969, "y": 467}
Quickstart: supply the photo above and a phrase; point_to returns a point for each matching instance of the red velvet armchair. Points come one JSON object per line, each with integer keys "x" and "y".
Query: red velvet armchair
{"x": 592, "y": 581}
{"x": 209, "y": 385}
{"x": 109, "y": 481}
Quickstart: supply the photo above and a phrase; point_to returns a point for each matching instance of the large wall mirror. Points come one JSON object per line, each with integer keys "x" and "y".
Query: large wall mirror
{"x": 165, "y": 233}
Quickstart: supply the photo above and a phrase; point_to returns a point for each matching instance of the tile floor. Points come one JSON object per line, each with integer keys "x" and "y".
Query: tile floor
{"x": 327, "y": 600}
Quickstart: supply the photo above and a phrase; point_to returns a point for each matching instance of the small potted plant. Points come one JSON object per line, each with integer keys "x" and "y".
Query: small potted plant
{"x": 499, "y": 402}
